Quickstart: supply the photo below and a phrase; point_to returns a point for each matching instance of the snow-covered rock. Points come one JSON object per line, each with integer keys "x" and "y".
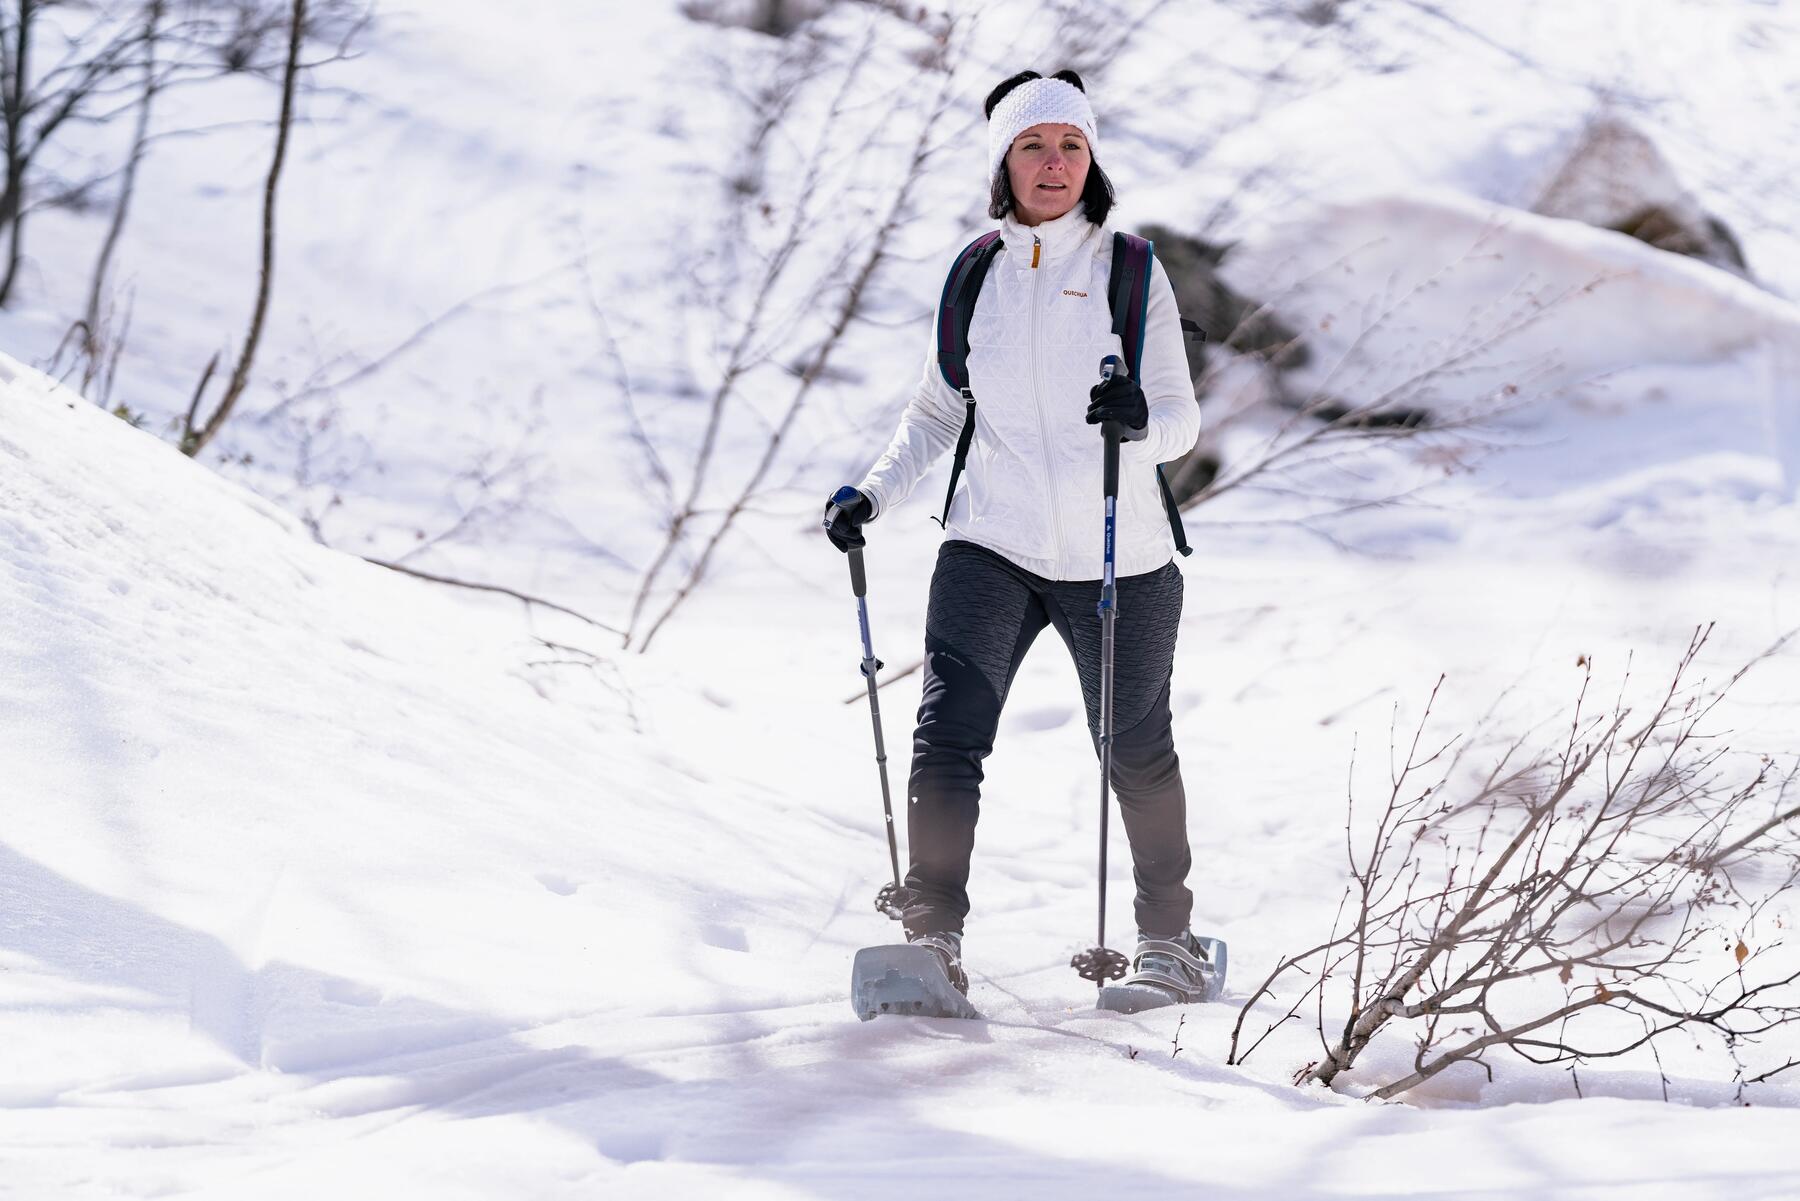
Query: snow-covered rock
{"x": 1458, "y": 306}
{"x": 1616, "y": 178}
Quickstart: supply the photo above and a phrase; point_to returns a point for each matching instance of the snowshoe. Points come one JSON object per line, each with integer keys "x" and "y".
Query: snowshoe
{"x": 923, "y": 978}
{"x": 1168, "y": 971}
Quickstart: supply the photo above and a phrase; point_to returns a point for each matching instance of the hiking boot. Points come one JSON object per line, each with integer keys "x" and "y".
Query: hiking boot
{"x": 1184, "y": 967}
{"x": 948, "y": 949}
{"x": 923, "y": 978}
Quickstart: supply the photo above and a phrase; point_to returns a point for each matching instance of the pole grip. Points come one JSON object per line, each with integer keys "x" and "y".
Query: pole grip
{"x": 1110, "y": 366}
{"x": 859, "y": 582}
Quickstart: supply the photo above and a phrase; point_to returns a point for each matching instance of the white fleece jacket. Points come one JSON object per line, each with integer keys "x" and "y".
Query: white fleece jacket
{"x": 1032, "y": 488}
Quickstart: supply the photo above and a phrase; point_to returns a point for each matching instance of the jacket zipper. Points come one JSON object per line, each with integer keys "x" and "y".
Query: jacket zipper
{"x": 1037, "y": 403}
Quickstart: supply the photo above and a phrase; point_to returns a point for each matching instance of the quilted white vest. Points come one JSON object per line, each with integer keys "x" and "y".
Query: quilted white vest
{"x": 1031, "y": 490}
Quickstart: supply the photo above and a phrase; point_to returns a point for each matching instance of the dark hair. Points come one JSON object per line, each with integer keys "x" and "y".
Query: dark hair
{"x": 1097, "y": 196}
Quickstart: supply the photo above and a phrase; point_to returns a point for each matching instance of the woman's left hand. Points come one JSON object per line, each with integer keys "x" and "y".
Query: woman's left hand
{"x": 1120, "y": 399}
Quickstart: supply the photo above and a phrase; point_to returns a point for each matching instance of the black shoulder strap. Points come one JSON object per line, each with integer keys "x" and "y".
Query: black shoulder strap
{"x": 1128, "y": 295}
{"x": 955, "y": 311}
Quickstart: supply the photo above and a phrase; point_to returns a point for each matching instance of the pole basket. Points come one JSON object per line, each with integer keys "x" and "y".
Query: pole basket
{"x": 1100, "y": 963}
{"x": 892, "y": 900}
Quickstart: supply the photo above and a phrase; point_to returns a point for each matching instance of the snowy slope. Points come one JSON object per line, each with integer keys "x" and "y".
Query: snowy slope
{"x": 275, "y": 814}
{"x": 319, "y": 880}
{"x": 309, "y": 890}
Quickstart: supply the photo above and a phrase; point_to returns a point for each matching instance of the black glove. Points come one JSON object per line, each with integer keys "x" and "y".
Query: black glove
{"x": 845, "y": 529}
{"x": 1121, "y": 400}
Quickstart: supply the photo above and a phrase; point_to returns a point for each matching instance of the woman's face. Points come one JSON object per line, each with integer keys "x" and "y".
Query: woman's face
{"x": 1047, "y": 167}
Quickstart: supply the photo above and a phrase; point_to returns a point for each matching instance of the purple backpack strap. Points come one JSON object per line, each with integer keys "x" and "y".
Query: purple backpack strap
{"x": 1128, "y": 295}
{"x": 957, "y": 308}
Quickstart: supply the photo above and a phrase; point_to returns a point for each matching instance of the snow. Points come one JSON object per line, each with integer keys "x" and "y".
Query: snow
{"x": 311, "y": 888}
{"x": 1480, "y": 308}
{"x": 319, "y": 879}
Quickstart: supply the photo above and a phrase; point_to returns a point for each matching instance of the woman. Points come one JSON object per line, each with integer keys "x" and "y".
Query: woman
{"x": 1023, "y": 545}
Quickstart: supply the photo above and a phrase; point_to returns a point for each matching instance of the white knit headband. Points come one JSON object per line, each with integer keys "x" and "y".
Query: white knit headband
{"x": 1038, "y": 102}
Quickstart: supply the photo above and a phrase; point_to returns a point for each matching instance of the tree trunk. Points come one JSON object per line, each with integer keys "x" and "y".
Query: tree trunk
{"x": 194, "y": 441}
{"x": 12, "y": 202}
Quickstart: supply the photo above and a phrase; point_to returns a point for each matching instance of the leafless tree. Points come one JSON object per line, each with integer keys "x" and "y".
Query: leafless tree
{"x": 93, "y": 64}
{"x": 177, "y": 43}
{"x": 251, "y": 36}
{"x": 101, "y": 331}
{"x": 1578, "y": 919}
{"x": 194, "y": 437}
{"x": 795, "y": 262}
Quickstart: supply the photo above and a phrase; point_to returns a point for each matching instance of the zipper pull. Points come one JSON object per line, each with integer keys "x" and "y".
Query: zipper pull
{"x": 1035, "y": 247}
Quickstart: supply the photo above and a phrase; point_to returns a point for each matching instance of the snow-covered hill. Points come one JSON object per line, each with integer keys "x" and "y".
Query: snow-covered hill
{"x": 275, "y": 815}
{"x": 320, "y": 880}
{"x": 311, "y": 887}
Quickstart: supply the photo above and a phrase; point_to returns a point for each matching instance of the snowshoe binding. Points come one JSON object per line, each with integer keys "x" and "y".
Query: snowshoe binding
{"x": 1168, "y": 971}
{"x": 923, "y": 978}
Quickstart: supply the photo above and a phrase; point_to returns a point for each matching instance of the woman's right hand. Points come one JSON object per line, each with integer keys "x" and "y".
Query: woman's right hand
{"x": 845, "y": 514}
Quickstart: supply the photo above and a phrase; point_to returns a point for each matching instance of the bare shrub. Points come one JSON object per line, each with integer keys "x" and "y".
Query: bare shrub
{"x": 778, "y": 246}
{"x": 1582, "y": 904}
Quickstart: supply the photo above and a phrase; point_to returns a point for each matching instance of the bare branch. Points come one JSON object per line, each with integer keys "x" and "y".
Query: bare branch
{"x": 499, "y": 589}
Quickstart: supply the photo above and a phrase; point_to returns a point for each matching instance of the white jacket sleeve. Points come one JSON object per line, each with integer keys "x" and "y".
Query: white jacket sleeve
{"x": 1174, "y": 412}
{"x": 930, "y": 425}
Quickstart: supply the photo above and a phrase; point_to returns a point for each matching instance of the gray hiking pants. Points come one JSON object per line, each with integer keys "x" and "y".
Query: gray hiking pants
{"x": 984, "y": 614}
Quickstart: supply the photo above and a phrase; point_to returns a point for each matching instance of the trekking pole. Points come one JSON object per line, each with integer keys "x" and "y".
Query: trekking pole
{"x": 890, "y": 899}
{"x": 1098, "y": 963}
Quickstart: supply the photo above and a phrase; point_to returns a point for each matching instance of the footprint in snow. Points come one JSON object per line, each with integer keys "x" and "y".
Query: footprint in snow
{"x": 724, "y": 937}
{"x": 562, "y": 886}
{"x": 348, "y": 992}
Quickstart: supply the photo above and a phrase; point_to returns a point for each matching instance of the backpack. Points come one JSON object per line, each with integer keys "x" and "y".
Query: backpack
{"x": 1127, "y": 295}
